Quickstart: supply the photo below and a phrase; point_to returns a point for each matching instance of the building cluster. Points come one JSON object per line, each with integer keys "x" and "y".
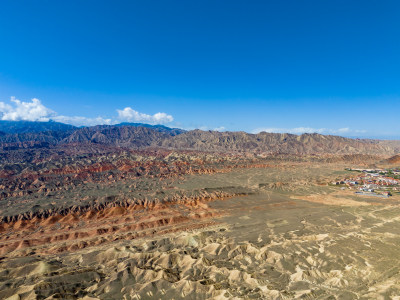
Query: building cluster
{"x": 372, "y": 181}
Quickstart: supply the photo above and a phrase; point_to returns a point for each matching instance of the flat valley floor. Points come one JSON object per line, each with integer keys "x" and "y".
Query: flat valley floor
{"x": 286, "y": 235}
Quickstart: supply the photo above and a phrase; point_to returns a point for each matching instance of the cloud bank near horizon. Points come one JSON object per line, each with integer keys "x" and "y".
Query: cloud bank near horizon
{"x": 131, "y": 115}
{"x": 27, "y": 111}
{"x": 301, "y": 130}
{"x": 18, "y": 110}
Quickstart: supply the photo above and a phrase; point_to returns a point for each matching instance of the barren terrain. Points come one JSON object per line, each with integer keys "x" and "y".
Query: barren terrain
{"x": 261, "y": 231}
{"x": 119, "y": 213}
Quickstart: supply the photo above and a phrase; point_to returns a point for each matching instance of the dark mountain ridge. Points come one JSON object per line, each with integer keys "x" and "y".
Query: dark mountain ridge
{"x": 30, "y": 126}
{"x": 120, "y": 136}
{"x": 160, "y": 128}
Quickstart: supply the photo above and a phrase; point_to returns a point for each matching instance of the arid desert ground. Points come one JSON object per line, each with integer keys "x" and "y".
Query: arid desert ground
{"x": 272, "y": 231}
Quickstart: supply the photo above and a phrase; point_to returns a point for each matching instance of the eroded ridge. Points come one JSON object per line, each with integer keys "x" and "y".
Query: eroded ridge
{"x": 316, "y": 257}
{"x": 79, "y": 227}
{"x": 261, "y": 231}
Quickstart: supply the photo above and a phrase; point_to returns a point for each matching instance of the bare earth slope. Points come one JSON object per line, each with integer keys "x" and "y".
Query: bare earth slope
{"x": 395, "y": 160}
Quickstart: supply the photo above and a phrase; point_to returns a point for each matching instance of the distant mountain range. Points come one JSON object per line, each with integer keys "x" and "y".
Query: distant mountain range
{"x": 159, "y": 128}
{"x": 29, "y": 127}
{"x": 16, "y": 135}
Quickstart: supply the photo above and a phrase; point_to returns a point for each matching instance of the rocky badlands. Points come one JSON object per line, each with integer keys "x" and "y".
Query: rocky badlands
{"x": 142, "y": 213}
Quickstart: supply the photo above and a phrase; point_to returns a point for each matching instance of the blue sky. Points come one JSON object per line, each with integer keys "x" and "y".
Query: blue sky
{"x": 325, "y": 66}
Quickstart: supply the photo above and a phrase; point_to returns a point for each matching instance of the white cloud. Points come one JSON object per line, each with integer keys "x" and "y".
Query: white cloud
{"x": 27, "y": 111}
{"x": 18, "y": 110}
{"x": 206, "y": 128}
{"x": 130, "y": 115}
{"x": 83, "y": 121}
{"x": 221, "y": 128}
{"x": 301, "y": 130}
